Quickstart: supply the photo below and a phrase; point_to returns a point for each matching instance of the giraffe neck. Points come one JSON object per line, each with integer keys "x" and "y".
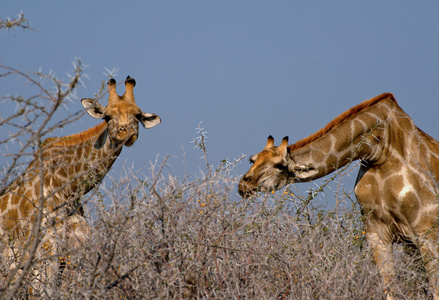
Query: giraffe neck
{"x": 365, "y": 135}
{"x": 69, "y": 167}
{"x": 75, "y": 165}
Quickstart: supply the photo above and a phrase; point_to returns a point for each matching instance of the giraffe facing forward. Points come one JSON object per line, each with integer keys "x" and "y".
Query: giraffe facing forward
{"x": 397, "y": 185}
{"x": 64, "y": 170}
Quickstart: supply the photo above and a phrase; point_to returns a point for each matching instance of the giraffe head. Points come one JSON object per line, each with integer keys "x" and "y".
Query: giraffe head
{"x": 121, "y": 114}
{"x": 269, "y": 170}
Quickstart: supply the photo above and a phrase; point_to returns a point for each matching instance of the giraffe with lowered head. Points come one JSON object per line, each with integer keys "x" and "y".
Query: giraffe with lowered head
{"x": 64, "y": 170}
{"x": 398, "y": 182}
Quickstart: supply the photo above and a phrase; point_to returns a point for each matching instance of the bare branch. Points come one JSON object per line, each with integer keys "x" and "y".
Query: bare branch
{"x": 18, "y": 22}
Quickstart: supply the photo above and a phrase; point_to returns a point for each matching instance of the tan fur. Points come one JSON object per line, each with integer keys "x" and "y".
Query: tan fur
{"x": 78, "y": 138}
{"x": 397, "y": 185}
{"x": 347, "y": 114}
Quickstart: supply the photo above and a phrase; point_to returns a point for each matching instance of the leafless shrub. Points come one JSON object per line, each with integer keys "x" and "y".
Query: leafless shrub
{"x": 30, "y": 121}
{"x": 160, "y": 236}
{"x": 19, "y": 22}
{"x": 33, "y": 115}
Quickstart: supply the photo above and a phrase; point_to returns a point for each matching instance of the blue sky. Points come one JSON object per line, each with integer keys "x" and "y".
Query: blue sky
{"x": 245, "y": 69}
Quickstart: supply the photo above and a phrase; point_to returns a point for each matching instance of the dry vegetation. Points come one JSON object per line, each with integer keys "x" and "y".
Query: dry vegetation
{"x": 156, "y": 236}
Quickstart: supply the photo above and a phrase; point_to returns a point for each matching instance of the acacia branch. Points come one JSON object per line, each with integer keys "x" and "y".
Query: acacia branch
{"x": 20, "y": 22}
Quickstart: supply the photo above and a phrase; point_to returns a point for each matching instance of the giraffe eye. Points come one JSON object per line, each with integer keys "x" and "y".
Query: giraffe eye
{"x": 280, "y": 166}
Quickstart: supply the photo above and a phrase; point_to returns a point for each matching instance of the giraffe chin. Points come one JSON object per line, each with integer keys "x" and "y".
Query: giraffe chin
{"x": 131, "y": 141}
{"x": 272, "y": 184}
{"x": 247, "y": 190}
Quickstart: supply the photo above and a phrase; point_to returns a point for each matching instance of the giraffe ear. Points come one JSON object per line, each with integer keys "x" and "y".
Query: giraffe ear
{"x": 93, "y": 108}
{"x": 148, "y": 120}
{"x": 284, "y": 146}
{"x": 100, "y": 142}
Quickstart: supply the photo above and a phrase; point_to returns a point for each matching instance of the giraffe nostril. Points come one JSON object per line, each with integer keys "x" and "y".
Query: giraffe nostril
{"x": 246, "y": 178}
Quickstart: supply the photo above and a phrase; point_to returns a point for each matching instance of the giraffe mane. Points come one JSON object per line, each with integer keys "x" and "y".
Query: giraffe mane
{"x": 347, "y": 114}
{"x": 77, "y": 138}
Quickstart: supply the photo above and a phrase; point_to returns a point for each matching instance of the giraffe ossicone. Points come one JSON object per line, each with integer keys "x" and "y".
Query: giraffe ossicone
{"x": 397, "y": 185}
{"x": 65, "y": 169}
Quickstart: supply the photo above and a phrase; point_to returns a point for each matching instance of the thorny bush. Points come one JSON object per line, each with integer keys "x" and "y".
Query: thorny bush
{"x": 163, "y": 237}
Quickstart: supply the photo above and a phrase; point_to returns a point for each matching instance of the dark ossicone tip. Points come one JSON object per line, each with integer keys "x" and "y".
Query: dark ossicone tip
{"x": 111, "y": 82}
{"x": 130, "y": 80}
